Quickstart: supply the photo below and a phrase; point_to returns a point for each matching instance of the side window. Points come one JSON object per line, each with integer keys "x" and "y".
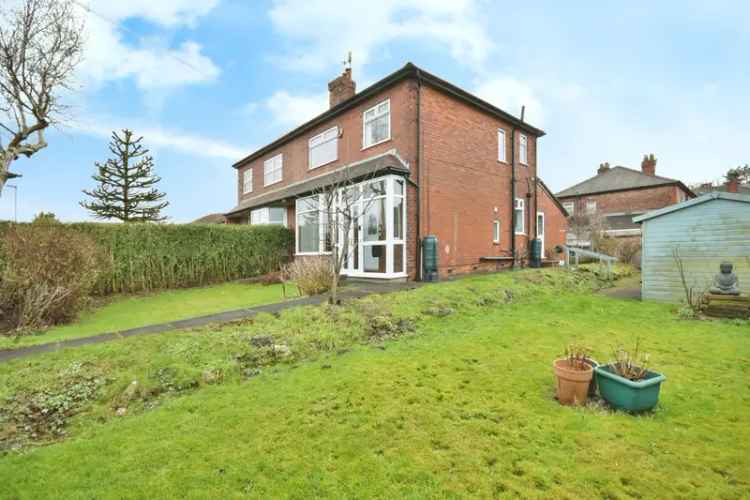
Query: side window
{"x": 496, "y": 231}
{"x": 247, "y": 181}
{"x": 501, "y": 145}
{"x": 569, "y": 207}
{"x": 519, "y": 216}
{"x": 523, "y": 149}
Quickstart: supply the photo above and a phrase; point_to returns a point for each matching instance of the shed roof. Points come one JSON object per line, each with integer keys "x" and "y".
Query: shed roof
{"x": 619, "y": 179}
{"x": 360, "y": 170}
{"x": 690, "y": 203}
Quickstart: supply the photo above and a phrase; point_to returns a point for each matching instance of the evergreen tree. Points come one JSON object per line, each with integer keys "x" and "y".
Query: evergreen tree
{"x": 742, "y": 174}
{"x": 126, "y": 188}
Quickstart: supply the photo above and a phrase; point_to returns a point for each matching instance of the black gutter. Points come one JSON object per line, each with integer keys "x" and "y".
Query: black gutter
{"x": 408, "y": 71}
{"x": 418, "y": 246}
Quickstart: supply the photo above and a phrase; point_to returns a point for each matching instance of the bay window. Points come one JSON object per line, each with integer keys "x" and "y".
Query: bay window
{"x": 376, "y": 243}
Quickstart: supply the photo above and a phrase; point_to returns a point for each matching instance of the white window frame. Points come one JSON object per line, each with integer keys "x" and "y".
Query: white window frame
{"x": 501, "y": 153}
{"x": 570, "y": 207}
{"x": 247, "y": 179}
{"x": 496, "y": 231}
{"x": 520, "y": 204}
{"x": 591, "y": 207}
{"x": 365, "y": 122}
{"x": 320, "y": 136}
{"x": 321, "y": 226}
{"x": 523, "y": 149}
{"x": 266, "y": 217}
{"x": 269, "y": 167}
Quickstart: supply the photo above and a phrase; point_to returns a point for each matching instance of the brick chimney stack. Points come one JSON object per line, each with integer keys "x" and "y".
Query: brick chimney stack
{"x": 342, "y": 88}
{"x": 603, "y": 167}
{"x": 733, "y": 185}
{"x": 648, "y": 165}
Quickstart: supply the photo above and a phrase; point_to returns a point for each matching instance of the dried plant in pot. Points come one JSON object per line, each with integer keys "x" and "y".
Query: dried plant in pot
{"x": 573, "y": 373}
{"x": 628, "y": 383}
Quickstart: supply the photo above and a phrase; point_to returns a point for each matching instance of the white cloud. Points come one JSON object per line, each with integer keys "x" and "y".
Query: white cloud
{"x": 327, "y": 30}
{"x": 150, "y": 61}
{"x": 157, "y": 136}
{"x": 509, "y": 94}
{"x": 292, "y": 110}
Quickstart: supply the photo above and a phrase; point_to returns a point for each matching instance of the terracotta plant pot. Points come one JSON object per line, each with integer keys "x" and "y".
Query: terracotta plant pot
{"x": 572, "y": 385}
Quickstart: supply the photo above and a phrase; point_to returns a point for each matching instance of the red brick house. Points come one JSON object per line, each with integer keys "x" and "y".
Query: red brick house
{"x": 435, "y": 159}
{"x": 621, "y": 193}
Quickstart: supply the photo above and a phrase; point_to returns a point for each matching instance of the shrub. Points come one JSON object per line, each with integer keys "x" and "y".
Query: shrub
{"x": 629, "y": 252}
{"x": 48, "y": 274}
{"x": 144, "y": 257}
{"x": 312, "y": 275}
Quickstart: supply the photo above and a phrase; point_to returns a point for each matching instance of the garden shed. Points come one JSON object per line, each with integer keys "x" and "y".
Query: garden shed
{"x": 704, "y": 232}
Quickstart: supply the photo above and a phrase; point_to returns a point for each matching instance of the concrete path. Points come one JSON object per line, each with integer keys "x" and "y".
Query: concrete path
{"x": 351, "y": 291}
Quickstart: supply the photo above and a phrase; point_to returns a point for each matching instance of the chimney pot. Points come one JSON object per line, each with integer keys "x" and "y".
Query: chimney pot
{"x": 603, "y": 167}
{"x": 732, "y": 185}
{"x": 341, "y": 88}
{"x": 648, "y": 165}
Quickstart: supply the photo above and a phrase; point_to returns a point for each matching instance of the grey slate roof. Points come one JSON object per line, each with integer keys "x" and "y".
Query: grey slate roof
{"x": 742, "y": 198}
{"x": 388, "y": 162}
{"x": 618, "y": 179}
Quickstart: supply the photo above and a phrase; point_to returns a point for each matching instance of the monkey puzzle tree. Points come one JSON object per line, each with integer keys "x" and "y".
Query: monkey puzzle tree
{"x": 40, "y": 46}
{"x": 127, "y": 183}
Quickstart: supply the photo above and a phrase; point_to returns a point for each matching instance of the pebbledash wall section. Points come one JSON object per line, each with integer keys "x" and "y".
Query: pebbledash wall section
{"x": 402, "y": 96}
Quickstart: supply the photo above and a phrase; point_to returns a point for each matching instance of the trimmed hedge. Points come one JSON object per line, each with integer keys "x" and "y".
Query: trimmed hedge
{"x": 144, "y": 257}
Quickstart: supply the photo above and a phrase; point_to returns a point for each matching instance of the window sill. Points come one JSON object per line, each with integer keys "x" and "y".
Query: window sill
{"x": 311, "y": 254}
{"x": 322, "y": 164}
{"x": 375, "y": 144}
{"x": 272, "y": 183}
{"x": 504, "y": 162}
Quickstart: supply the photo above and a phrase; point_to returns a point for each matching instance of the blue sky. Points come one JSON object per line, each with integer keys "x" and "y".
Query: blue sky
{"x": 207, "y": 82}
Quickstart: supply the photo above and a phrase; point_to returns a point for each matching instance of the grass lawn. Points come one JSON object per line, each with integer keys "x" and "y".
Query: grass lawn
{"x": 441, "y": 392}
{"x": 127, "y": 312}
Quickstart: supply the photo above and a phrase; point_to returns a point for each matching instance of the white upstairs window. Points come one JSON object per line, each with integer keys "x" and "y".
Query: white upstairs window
{"x": 523, "y": 149}
{"x": 569, "y": 207}
{"x": 501, "y": 145}
{"x": 272, "y": 170}
{"x": 377, "y": 124}
{"x": 247, "y": 181}
{"x": 323, "y": 148}
{"x": 519, "y": 216}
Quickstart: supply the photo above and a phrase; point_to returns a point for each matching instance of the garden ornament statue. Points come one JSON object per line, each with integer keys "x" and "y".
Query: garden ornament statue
{"x": 726, "y": 282}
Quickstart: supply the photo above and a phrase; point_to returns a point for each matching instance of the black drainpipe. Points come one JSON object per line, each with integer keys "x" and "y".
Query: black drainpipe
{"x": 513, "y": 194}
{"x": 419, "y": 178}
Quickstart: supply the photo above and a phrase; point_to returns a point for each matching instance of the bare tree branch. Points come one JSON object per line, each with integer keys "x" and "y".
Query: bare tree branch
{"x": 41, "y": 43}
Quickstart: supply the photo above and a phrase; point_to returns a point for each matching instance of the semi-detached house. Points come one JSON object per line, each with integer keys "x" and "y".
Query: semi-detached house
{"x": 432, "y": 159}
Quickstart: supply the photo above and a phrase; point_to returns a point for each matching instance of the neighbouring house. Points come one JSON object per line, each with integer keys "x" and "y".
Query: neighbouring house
{"x": 703, "y": 232}
{"x": 617, "y": 194}
{"x": 730, "y": 186}
{"x": 211, "y": 219}
{"x": 428, "y": 158}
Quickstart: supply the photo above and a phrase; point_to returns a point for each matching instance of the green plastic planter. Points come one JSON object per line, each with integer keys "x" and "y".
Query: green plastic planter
{"x": 625, "y": 394}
